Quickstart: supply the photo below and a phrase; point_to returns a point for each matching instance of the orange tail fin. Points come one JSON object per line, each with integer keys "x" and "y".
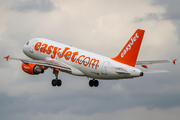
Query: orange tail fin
{"x": 129, "y": 53}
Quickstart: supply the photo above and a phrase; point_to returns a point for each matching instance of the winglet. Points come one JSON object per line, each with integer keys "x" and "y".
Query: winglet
{"x": 145, "y": 66}
{"x": 174, "y": 61}
{"x": 7, "y": 57}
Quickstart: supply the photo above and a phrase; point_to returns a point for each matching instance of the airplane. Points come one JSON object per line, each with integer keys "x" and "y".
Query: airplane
{"x": 45, "y": 53}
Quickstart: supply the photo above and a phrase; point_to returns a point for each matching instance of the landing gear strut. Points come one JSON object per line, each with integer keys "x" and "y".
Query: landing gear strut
{"x": 94, "y": 83}
{"x": 56, "y": 82}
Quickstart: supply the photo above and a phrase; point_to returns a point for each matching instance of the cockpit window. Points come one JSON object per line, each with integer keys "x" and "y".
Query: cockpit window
{"x": 27, "y": 43}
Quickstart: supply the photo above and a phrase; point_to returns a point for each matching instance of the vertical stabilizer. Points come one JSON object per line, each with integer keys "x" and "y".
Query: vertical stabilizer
{"x": 130, "y": 52}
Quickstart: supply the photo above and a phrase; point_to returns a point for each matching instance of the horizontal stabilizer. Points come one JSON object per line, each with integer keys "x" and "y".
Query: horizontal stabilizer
{"x": 155, "y": 71}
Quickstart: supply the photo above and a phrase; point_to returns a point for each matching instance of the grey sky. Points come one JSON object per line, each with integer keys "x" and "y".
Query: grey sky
{"x": 98, "y": 26}
{"x": 33, "y": 5}
{"x": 172, "y": 8}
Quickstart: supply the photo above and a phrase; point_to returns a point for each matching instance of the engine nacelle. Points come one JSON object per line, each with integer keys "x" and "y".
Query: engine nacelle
{"x": 32, "y": 69}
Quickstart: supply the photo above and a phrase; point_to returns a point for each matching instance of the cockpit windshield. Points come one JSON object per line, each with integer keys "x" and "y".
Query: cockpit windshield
{"x": 27, "y": 43}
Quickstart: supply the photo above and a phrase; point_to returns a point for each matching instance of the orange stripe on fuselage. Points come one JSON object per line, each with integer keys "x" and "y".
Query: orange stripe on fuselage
{"x": 67, "y": 54}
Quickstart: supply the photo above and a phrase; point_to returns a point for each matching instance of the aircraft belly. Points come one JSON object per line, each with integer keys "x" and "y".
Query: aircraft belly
{"x": 99, "y": 75}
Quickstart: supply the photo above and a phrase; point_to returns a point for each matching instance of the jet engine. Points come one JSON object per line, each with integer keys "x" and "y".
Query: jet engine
{"x": 32, "y": 69}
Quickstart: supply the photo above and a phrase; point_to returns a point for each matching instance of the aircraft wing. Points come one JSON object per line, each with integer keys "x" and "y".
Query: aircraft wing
{"x": 145, "y": 63}
{"x": 49, "y": 63}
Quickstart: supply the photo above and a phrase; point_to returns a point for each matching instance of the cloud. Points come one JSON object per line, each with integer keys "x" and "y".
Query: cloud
{"x": 100, "y": 26}
{"x": 172, "y": 8}
{"x": 134, "y": 113}
{"x": 33, "y": 5}
{"x": 171, "y": 13}
{"x": 148, "y": 17}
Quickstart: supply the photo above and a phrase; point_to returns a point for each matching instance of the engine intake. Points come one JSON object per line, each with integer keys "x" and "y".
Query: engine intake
{"x": 32, "y": 69}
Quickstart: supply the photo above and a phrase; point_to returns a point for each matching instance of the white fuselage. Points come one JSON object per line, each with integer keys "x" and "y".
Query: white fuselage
{"x": 81, "y": 62}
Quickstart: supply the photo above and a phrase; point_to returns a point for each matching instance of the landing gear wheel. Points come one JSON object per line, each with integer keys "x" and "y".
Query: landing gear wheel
{"x": 96, "y": 83}
{"x": 54, "y": 82}
{"x": 91, "y": 83}
{"x": 59, "y": 82}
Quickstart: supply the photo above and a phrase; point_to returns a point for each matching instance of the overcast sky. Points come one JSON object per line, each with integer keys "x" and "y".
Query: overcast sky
{"x": 100, "y": 26}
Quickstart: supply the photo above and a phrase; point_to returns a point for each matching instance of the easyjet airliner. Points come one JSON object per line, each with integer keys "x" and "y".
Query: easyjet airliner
{"x": 60, "y": 57}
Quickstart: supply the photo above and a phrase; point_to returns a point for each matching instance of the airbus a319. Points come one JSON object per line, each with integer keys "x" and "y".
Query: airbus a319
{"x": 46, "y": 54}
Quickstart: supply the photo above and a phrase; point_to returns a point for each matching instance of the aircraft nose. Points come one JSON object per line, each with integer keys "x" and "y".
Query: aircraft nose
{"x": 25, "y": 48}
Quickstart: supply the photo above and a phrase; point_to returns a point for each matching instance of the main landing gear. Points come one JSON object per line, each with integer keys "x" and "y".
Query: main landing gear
{"x": 56, "y": 82}
{"x": 94, "y": 83}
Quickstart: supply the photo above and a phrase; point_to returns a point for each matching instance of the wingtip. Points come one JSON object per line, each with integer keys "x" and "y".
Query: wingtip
{"x": 174, "y": 61}
{"x": 145, "y": 66}
{"x": 7, "y": 57}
